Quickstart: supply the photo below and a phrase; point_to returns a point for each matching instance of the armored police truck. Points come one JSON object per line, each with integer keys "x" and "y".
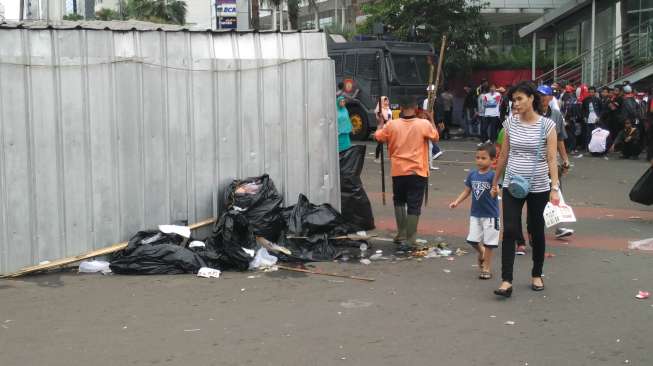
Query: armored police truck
{"x": 370, "y": 69}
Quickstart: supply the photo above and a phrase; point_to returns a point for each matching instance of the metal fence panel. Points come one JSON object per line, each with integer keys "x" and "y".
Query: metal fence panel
{"x": 107, "y": 132}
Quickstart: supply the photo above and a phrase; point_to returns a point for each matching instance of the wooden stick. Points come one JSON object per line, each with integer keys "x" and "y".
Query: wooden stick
{"x": 435, "y": 91}
{"x": 95, "y": 253}
{"x": 292, "y": 269}
{"x": 382, "y": 155}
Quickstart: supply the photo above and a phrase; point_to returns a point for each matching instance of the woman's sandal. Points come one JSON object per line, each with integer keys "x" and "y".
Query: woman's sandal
{"x": 485, "y": 275}
{"x": 535, "y": 287}
{"x": 503, "y": 292}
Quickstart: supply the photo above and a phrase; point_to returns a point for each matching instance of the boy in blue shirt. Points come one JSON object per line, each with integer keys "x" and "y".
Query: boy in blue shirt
{"x": 484, "y": 219}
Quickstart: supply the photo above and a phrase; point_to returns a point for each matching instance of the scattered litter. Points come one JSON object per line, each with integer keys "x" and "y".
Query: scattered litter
{"x": 451, "y": 259}
{"x": 175, "y": 229}
{"x": 252, "y": 277}
{"x": 549, "y": 255}
{"x": 635, "y": 279}
{"x": 460, "y": 252}
{"x": 445, "y": 252}
{"x": 642, "y": 295}
{"x": 363, "y": 247}
{"x": 192, "y": 330}
{"x": 263, "y": 259}
{"x": 340, "y": 313}
{"x": 466, "y": 170}
{"x": 579, "y": 156}
{"x": 626, "y": 361}
{"x": 5, "y": 327}
{"x": 250, "y": 252}
{"x": 446, "y": 270}
{"x": 646, "y": 244}
{"x": 618, "y": 340}
{"x": 634, "y": 218}
{"x": 242, "y": 290}
{"x": 378, "y": 255}
{"x": 197, "y": 244}
{"x": 440, "y": 231}
{"x": 421, "y": 241}
{"x": 353, "y": 304}
{"x": 606, "y": 158}
{"x": 493, "y": 316}
{"x": 125, "y": 327}
{"x": 509, "y": 322}
{"x": 94, "y": 267}
{"x": 609, "y": 215}
{"x": 365, "y": 261}
{"x": 207, "y": 272}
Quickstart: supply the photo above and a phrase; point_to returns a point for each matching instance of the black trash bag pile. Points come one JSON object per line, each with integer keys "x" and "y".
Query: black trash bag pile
{"x": 152, "y": 252}
{"x": 260, "y": 203}
{"x": 642, "y": 191}
{"x": 311, "y": 231}
{"x": 253, "y": 208}
{"x": 356, "y": 207}
{"x": 233, "y": 241}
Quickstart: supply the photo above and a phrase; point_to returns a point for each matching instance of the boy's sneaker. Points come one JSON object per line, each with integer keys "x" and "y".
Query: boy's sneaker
{"x": 521, "y": 249}
{"x": 563, "y": 232}
{"x": 437, "y": 155}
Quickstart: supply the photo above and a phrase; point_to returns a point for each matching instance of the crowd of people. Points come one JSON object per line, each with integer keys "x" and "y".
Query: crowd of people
{"x": 526, "y": 133}
{"x": 596, "y": 121}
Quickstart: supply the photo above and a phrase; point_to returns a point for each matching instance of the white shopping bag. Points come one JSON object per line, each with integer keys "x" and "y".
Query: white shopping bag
{"x": 554, "y": 215}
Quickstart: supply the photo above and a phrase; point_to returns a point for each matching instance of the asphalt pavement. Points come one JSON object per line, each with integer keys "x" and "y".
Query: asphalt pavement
{"x": 417, "y": 312}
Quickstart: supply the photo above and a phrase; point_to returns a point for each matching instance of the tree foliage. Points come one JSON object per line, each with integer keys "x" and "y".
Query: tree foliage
{"x": 429, "y": 20}
{"x": 157, "y": 11}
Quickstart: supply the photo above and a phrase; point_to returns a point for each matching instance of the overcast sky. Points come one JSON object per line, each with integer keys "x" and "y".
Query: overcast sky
{"x": 11, "y": 8}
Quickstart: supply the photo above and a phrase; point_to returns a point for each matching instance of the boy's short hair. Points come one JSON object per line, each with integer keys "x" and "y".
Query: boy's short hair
{"x": 489, "y": 148}
{"x": 407, "y": 101}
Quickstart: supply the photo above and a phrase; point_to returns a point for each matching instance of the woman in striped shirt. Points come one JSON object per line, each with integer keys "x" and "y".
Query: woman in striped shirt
{"x": 519, "y": 156}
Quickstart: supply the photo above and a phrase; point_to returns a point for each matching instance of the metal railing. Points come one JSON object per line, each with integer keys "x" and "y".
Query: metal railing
{"x": 613, "y": 60}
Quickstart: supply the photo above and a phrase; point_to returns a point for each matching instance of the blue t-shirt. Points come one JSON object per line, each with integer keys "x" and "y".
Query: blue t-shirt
{"x": 483, "y": 205}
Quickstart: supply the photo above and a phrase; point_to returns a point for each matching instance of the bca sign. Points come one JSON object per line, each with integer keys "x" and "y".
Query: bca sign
{"x": 226, "y": 8}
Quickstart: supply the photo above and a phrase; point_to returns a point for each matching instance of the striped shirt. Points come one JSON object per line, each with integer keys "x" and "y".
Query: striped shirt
{"x": 523, "y": 152}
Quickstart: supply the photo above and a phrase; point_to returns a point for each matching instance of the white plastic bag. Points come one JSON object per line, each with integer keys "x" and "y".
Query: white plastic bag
{"x": 207, "y": 272}
{"x": 94, "y": 267}
{"x": 263, "y": 259}
{"x": 554, "y": 215}
{"x": 175, "y": 229}
{"x": 645, "y": 244}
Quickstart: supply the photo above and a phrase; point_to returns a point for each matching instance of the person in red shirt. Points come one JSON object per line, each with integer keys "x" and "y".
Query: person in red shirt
{"x": 407, "y": 139}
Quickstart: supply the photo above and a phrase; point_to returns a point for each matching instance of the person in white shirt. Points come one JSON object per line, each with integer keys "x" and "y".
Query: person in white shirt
{"x": 599, "y": 143}
{"x": 490, "y": 124}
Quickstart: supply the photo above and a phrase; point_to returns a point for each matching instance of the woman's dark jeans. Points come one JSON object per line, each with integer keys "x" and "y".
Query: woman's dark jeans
{"x": 512, "y": 211}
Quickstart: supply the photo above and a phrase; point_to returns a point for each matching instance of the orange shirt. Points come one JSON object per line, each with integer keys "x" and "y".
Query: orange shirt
{"x": 408, "y": 145}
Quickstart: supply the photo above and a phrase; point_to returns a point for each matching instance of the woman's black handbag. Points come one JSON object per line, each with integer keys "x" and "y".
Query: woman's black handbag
{"x": 642, "y": 191}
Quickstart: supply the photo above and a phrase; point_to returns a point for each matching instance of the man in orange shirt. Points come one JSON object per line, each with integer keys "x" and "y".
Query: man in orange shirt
{"x": 407, "y": 139}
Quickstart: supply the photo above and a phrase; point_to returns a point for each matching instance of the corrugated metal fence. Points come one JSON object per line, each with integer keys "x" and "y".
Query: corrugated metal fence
{"x": 107, "y": 132}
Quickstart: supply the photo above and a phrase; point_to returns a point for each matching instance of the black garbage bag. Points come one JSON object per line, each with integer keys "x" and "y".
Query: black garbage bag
{"x": 356, "y": 206}
{"x": 260, "y": 202}
{"x": 230, "y": 238}
{"x": 316, "y": 248}
{"x": 642, "y": 191}
{"x": 152, "y": 252}
{"x": 307, "y": 219}
{"x": 311, "y": 230}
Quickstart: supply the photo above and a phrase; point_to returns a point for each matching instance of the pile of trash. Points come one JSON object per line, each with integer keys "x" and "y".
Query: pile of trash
{"x": 253, "y": 232}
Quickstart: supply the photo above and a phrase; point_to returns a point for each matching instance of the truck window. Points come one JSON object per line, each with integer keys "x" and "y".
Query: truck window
{"x": 368, "y": 66}
{"x": 411, "y": 69}
{"x": 350, "y": 64}
{"x": 338, "y": 61}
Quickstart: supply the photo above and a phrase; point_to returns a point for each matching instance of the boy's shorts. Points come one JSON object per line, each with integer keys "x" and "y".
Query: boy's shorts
{"x": 484, "y": 230}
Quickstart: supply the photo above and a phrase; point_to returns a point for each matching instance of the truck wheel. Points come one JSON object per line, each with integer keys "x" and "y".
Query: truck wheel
{"x": 360, "y": 126}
